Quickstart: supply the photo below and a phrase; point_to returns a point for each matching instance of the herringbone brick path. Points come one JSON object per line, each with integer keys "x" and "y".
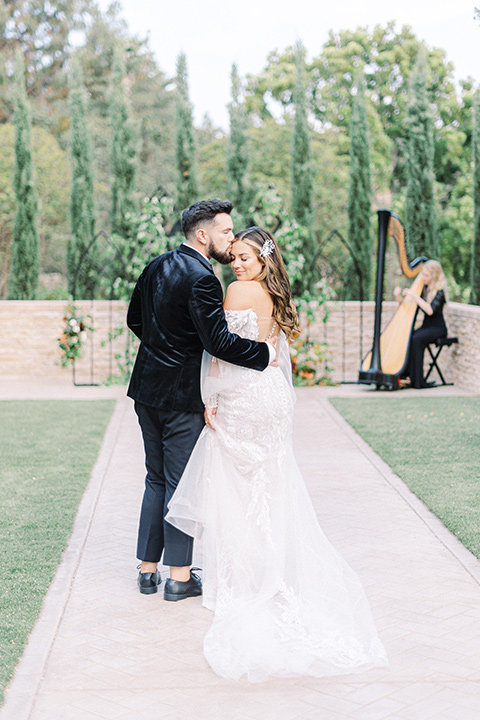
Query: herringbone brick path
{"x": 101, "y": 650}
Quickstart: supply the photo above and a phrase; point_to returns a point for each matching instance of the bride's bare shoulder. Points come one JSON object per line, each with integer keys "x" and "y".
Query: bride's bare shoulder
{"x": 244, "y": 294}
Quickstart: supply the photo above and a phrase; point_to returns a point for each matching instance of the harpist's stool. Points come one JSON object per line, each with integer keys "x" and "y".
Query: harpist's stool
{"x": 438, "y": 346}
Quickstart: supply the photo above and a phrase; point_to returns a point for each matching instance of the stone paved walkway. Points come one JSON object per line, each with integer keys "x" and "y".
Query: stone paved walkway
{"x": 100, "y": 650}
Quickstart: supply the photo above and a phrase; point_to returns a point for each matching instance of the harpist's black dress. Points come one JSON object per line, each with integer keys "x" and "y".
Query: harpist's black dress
{"x": 433, "y": 327}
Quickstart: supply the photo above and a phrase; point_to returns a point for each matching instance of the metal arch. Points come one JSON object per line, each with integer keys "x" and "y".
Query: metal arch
{"x": 101, "y": 267}
{"x": 319, "y": 255}
{"x": 343, "y": 276}
{"x": 97, "y": 264}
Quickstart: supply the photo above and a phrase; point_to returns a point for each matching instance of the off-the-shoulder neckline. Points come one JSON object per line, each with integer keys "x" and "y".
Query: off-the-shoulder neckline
{"x": 247, "y": 310}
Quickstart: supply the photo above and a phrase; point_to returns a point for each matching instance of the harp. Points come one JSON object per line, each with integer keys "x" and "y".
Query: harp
{"x": 387, "y": 360}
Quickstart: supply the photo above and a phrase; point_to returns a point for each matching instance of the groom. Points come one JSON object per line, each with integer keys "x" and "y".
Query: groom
{"x": 176, "y": 311}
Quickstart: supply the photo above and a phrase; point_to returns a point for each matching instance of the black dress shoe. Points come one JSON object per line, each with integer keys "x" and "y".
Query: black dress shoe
{"x": 148, "y": 582}
{"x": 175, "y": 590}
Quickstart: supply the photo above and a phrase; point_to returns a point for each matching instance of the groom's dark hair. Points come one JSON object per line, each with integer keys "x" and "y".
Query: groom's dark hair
{"x": 202, "y": 211}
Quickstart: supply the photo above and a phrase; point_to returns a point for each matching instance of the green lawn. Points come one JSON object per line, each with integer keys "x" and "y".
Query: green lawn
{"x": 433, "y": 444}
{"x": 48, "y": 449}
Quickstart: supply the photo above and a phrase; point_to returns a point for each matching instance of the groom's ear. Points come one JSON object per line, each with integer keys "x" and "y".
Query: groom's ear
{"x": 201, "y": 236}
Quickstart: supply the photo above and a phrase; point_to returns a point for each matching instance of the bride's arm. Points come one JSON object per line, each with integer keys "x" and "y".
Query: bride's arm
{"x": 240, "y": 295}
{"x": 210, "y": 373}
{"x": 234, "y": 300}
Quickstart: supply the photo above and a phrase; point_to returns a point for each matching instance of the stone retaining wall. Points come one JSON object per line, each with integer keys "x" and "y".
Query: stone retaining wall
{"x": 461, "y": 363}
{"x": 348, "y": 333}
{"x": 29, "y": 332}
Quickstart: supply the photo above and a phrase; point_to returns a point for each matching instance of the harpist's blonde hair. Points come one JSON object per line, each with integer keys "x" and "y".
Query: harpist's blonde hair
{"x": 438, "y": 281}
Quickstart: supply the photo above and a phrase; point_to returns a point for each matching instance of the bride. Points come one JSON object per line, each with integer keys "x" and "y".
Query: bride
{"x": 285, "y": 602}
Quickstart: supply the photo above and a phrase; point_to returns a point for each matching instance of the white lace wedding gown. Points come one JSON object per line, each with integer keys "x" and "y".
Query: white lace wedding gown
{"x": 285, "y": 602}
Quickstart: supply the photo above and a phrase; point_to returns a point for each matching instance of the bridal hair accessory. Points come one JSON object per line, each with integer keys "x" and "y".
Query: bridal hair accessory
{"x": 267, "y": 248}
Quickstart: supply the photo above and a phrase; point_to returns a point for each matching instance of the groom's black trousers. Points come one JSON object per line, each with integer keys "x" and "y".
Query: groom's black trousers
{"x": 169, "y": 438}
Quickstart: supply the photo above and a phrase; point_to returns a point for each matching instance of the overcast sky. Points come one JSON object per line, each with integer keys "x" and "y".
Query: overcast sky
{"x": 216, "y": 33}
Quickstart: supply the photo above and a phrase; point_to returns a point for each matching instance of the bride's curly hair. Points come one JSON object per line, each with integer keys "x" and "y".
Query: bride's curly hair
{"x": 274, "y": 277}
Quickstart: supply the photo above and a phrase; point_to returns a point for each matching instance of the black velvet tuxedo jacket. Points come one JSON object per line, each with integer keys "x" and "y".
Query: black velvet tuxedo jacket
{"x": 177, "y": 311}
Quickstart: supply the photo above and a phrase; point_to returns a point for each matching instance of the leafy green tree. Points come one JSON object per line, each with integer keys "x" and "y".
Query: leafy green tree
{"x": 43, "y": 31}
{"x": 82, "y": 215}
{"x": 25, "y": 270}
{"x": 331, "y": 188}
{"x": 454, "y": 191}
{"x": 4, "y": 99}
{"x": 387, "y": 56}
{"x": 52, "y": 183}
{"x": 274, "y": 82}
{"x": 148, "y": 240}
{"x": 152, "y": 104}
{"x": 420, "y": 214}
{"x": 124, "y": 150}
{"x": 302, "y": 183}
{"x": 269, "y": 211}
{"x": 475, "y": 260}
{"x": 33, "y": 24}
{"x": 105, "y": 32}
{"x": 237, "y": 152}
{"x": 302, "y": 177}
{"x": 7, "y": 202}
{"x": 455, "y": 229}
{"x": 270, "y": 160}
{"x": 212, "y": 159}
{"x": 270, "y": 148}
{"x": 359, "y": 199}
{"x": 187, "y": 186}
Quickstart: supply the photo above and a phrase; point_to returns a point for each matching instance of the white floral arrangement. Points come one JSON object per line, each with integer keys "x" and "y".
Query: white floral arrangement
{"x": 73, "y": 336}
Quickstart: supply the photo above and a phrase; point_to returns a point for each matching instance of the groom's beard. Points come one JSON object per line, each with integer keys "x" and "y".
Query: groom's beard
{"x": 222, "y": 257}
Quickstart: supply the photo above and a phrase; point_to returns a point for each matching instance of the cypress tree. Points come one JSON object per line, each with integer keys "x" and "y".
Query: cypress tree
{"x": 25, "y": 260}
{"x": 237, "y": 152}
{"x": 359, "y": 198}
{"x": 187, "y": 187}
{"x": 124, "y": 150}
{"x": 82, "y": 212}
{"x": 302, "y": 181}
{"x": 420, "y": 215}
{"x": 475, "y": 261}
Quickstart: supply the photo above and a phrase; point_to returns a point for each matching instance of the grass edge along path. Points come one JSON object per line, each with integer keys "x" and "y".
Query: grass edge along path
{"x": 432, "y": 444}
{"x": 48, "y": 450}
